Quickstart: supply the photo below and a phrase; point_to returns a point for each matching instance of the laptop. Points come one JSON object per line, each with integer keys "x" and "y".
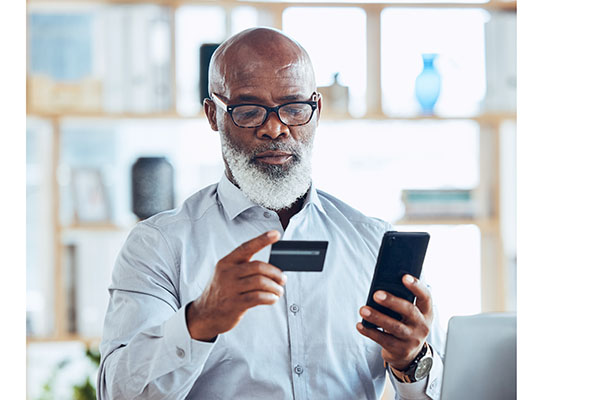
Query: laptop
{"x": 481, "y": 358}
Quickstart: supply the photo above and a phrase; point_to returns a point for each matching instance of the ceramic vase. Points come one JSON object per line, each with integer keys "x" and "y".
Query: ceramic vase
{"x": 428, "y": 84}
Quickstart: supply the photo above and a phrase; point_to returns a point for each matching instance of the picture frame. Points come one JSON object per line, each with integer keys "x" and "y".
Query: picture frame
{"x": 90, "y": 198}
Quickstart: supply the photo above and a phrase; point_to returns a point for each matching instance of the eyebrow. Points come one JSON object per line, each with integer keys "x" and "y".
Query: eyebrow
{"x": 250, "y": 98}
{"x": 247, "y": 97}
{"x": 292, "y": 97}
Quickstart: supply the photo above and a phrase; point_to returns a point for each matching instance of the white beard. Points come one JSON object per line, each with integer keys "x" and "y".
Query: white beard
{"x": 274, "y": 187}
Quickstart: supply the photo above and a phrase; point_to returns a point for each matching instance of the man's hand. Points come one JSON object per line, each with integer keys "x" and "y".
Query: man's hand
{"x": 237, "y": 285}
{"x": 401, "y": 341}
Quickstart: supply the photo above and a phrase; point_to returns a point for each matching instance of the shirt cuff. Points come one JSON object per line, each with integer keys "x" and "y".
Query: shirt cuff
{"x": 423, "y": 390}
{"x": 181, "y": 346}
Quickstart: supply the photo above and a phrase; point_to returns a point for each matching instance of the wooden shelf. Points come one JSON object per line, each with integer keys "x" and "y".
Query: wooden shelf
{"x": 485, "y": 224}
{"x": 106, "y": 115}
{"x": 490, "y": 5}
{"x": 100, "y": 227}
{"x": 488, "y": 117}
{"x": 88, "y": 341}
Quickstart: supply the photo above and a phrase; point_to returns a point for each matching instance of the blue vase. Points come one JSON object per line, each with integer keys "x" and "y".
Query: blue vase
{"x": 427, "y": 85}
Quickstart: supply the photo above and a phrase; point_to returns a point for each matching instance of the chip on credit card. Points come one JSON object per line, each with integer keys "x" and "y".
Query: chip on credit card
{"x": 298, "y": 255}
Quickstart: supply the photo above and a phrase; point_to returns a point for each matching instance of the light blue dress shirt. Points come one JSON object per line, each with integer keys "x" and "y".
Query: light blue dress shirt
{"x": 305, "y": 346}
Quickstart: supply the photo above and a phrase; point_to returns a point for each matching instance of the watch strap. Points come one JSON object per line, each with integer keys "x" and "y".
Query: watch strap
{"x": 407, "y": 375}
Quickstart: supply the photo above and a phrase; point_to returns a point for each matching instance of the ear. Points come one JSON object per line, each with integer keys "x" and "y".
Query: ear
{"x": 319, "y": 105}
{"x": 210, "y": 110}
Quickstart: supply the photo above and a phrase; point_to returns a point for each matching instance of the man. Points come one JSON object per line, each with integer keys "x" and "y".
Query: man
{"x": 194, "y": 314}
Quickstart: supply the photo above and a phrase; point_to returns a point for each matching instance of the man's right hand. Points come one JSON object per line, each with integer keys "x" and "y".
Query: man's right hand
{"x": 236, "y": 285}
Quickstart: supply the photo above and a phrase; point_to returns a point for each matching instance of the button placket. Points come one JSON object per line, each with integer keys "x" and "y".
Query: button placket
{"x": 297, "y": 349}
{"x": 180, "y": 352}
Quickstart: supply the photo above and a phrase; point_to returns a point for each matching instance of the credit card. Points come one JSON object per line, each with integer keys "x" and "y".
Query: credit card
{"x": 298, "y": 255}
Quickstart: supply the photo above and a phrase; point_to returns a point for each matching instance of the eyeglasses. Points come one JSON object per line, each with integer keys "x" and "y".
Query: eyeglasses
{"x": 295, "y": 113}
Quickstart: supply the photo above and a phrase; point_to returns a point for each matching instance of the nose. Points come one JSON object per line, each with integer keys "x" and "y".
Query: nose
{"x": 273, "y": 128}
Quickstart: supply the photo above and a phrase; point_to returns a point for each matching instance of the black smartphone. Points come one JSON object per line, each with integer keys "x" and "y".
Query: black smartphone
{"x": 400, "y": 253}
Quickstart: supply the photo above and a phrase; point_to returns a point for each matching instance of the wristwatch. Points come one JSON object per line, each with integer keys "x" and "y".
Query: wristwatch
{"x": 418, "y": 369}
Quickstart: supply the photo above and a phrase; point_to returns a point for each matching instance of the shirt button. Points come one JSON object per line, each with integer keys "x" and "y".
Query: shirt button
{"x": 180, "y": 353}
{"x": 298, "y": 369}
{"x": 266, "y": 214}
{"x": 294, "y": 308}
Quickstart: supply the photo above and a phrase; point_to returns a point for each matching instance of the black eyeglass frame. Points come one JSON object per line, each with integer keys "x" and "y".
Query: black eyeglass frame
{"x": 313, "y": 103}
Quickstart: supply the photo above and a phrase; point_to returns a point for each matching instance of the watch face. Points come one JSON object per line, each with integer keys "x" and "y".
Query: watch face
{"x": 423, "y": 368}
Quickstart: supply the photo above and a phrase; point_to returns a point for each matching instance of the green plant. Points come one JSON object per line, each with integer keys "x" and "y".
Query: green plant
{"x": 83, "y": 391}
{"x": 48, "y": 388}
{"x": 87, "y": 391}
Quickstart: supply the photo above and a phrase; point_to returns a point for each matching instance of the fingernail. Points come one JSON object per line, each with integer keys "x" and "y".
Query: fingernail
{"x": 409, "y": 279}
{"x": 365, "y": 312}
{"x": 284, "y": 278}
{"x": 272, "y": 234}
{"x": 380, "y": 295}
{"x": 360, "y": 326}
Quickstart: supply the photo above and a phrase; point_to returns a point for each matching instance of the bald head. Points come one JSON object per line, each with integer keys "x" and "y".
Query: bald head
{"x": 255, "y": 55}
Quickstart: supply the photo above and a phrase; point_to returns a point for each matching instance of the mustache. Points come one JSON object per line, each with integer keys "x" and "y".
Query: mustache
{"x": 287, "y": 147}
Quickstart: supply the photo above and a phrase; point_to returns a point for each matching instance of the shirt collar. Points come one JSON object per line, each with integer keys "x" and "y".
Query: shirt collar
{"x": 313, "y": 197}
{"x": 233, "y": 199}
{"x": 235, "y": 202}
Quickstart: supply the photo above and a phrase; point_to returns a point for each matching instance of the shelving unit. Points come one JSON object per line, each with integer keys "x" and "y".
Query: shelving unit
{"x": 493, "y": 281}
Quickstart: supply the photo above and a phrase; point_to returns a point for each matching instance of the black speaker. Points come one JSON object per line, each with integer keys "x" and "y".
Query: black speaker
{"x": 206, "y": 52}
{"x": 152, "y": 184}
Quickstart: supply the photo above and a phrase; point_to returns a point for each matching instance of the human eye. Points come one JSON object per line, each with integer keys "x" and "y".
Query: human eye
{"x": 295, "y": 109}
{"x": 248, "y": 113}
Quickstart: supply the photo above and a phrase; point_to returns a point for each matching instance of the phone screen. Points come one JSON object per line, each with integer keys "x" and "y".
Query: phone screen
{"x": 400, "y": 253}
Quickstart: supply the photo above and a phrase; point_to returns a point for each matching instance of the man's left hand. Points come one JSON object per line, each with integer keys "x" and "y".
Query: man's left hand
{"x": 401, "y": 341}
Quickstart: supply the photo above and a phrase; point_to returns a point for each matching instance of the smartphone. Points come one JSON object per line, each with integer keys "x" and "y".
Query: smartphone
{"x": 400, "y": 253}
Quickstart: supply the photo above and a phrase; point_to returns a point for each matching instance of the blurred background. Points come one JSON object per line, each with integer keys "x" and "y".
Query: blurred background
{"x": 419, "y": 116}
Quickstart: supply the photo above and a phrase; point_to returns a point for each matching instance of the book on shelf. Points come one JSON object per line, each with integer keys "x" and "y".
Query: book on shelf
{"x": 438, "y": 203}
{"x": 501, "y": 62}
{"x": 61, "y": 63}
{"x": 70, "y": 287}
{"x": 61, "y": 45}
{"x": 46, "y": 94}
{"x": 136, "y": 59}
{"x": 90, "y": 257}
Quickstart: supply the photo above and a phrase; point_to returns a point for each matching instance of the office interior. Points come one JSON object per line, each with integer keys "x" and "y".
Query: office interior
{"x": 113, "y": 82}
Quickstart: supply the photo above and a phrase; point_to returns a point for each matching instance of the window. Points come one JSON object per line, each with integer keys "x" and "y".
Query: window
{"x": 408, "y": 154}
{"x": 194, "y": 25}
{"x": 243, "y": 18}
{"x": 39, "y": 229}
{"x": 452, "y": 268}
